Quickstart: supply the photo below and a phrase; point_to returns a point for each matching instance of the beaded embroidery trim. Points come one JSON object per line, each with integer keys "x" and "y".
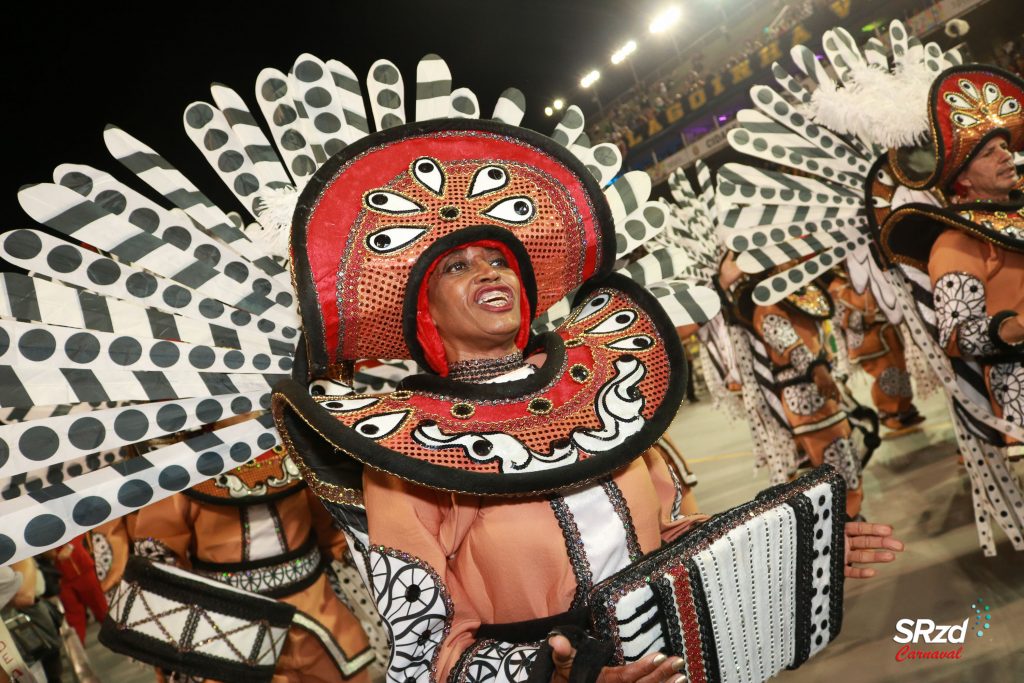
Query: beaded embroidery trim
{"x": 481, "y": 369}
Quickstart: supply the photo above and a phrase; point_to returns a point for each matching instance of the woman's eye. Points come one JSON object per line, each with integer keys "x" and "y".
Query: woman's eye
{"x": 512, "y": 210}
{"x": 429, "y": 174}
{"x": 499, "y": 262}
{"x": 454, "y": 266}
{"x": 391, "y": 202}
{"x": 488, "y": 179}
{"x": 392, "y": 239}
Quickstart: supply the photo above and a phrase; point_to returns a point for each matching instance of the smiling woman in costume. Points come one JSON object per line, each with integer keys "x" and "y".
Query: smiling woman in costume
{"x": 509, "y": 491}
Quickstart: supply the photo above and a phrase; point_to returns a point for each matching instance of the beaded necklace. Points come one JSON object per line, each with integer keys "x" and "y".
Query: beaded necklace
{"x": 480, "y": 369}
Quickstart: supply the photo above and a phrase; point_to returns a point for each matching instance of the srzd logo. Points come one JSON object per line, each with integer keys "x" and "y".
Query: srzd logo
{"x": 914, "y": 631}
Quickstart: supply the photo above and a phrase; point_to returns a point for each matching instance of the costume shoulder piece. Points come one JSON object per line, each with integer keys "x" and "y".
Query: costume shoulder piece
{"x": 271, "y": 476}
{"x": 609, "y": 385}
{"x": 908, "y": 233}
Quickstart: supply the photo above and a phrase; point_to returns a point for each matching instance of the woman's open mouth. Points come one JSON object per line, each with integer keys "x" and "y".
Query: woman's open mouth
{"x": 498, "y": 299}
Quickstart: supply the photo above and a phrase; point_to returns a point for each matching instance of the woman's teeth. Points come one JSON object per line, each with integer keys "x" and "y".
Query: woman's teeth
{"x": 494, "y": 298}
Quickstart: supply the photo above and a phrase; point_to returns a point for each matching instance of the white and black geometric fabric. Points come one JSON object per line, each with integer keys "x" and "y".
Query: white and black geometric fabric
{"x": 960, "y": 308}
{"x": 417, "y": 610}
{"x": 803, "y": 398}
{"x": 492, "y": 660}
{"x": 173, "y": 619}
{"x": 693, "y": 598}
{"x": 895, "y": 382}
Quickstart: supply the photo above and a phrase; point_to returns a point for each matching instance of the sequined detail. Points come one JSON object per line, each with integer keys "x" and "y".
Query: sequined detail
{"x": 778, "y": 332}
{"x": 574, "y": 549}
{"x": 618, "y": 502}
{"x": 812, "y": 300}
{"x": 480, "y": 369}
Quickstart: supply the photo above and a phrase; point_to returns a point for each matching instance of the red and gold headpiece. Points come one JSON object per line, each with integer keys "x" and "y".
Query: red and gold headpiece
{"x": 374, "y": 219}
{"x": 967, "y": 106}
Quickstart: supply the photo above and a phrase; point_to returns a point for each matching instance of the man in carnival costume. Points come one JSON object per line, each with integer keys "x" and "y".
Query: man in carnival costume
{"x": 507, "y": 491}
{"x": 873, "y": 343}
{"x": 972, "y": 246}
{"x": 792, "y": 403}
{"x": 851, "y": 145}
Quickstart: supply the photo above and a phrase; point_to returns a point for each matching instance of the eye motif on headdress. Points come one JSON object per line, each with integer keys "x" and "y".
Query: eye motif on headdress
{"x": 971, "y": 107}
{"x": 429, "y": 193}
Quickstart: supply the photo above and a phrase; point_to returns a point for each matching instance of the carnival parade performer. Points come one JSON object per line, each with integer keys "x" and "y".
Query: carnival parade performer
{"x": 512, "y": 481}
{"x": 793, "y": 338}
{"x": 257, "y": 528}
{"x": 506, "y": 491}
{"x": 874, "y": 344}
{"x": 971, "y": 244}
{"x": 794, "y": 408}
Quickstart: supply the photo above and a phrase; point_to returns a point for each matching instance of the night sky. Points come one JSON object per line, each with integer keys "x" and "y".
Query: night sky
{"x": 72, "y": 70}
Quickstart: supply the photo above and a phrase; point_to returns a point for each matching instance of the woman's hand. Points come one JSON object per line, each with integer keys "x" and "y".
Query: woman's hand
{"x": 868, "y": 544}
{"x": 652, "y": 668}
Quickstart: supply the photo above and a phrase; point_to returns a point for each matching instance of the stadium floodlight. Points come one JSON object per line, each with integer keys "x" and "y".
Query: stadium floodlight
{"x": 590, "y": 79}
{"x": 626, "y": 50}
{"x": 558, "y": 104}
{"x": 549, "y": 111}
{"x": 666, "y": 19}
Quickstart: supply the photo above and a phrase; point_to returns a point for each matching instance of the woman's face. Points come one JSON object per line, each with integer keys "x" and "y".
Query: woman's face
{"x": 473, "y": 296}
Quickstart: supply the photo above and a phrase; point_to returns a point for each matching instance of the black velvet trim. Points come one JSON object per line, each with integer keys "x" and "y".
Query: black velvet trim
{"x": 532, "y": 630}
{"x": 318, "y": 437}
{"x": 304, "y": 549}
{"x": 454, "y": 240}
{"x": 310, "y": 196}
{"x": 552, "y": 344}
{"x": 804, "y": 514}
{"x": 1010, "y": 351}
{"x": 708, "y": 650}
{"x": 291, "y": 490}
{"x": 670, "y": 625}
{"x": 910, "y": 231}
{"x": 837, "y": 579}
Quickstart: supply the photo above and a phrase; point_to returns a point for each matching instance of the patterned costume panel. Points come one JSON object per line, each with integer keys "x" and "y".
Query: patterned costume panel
{"x": 960, "y": 309}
